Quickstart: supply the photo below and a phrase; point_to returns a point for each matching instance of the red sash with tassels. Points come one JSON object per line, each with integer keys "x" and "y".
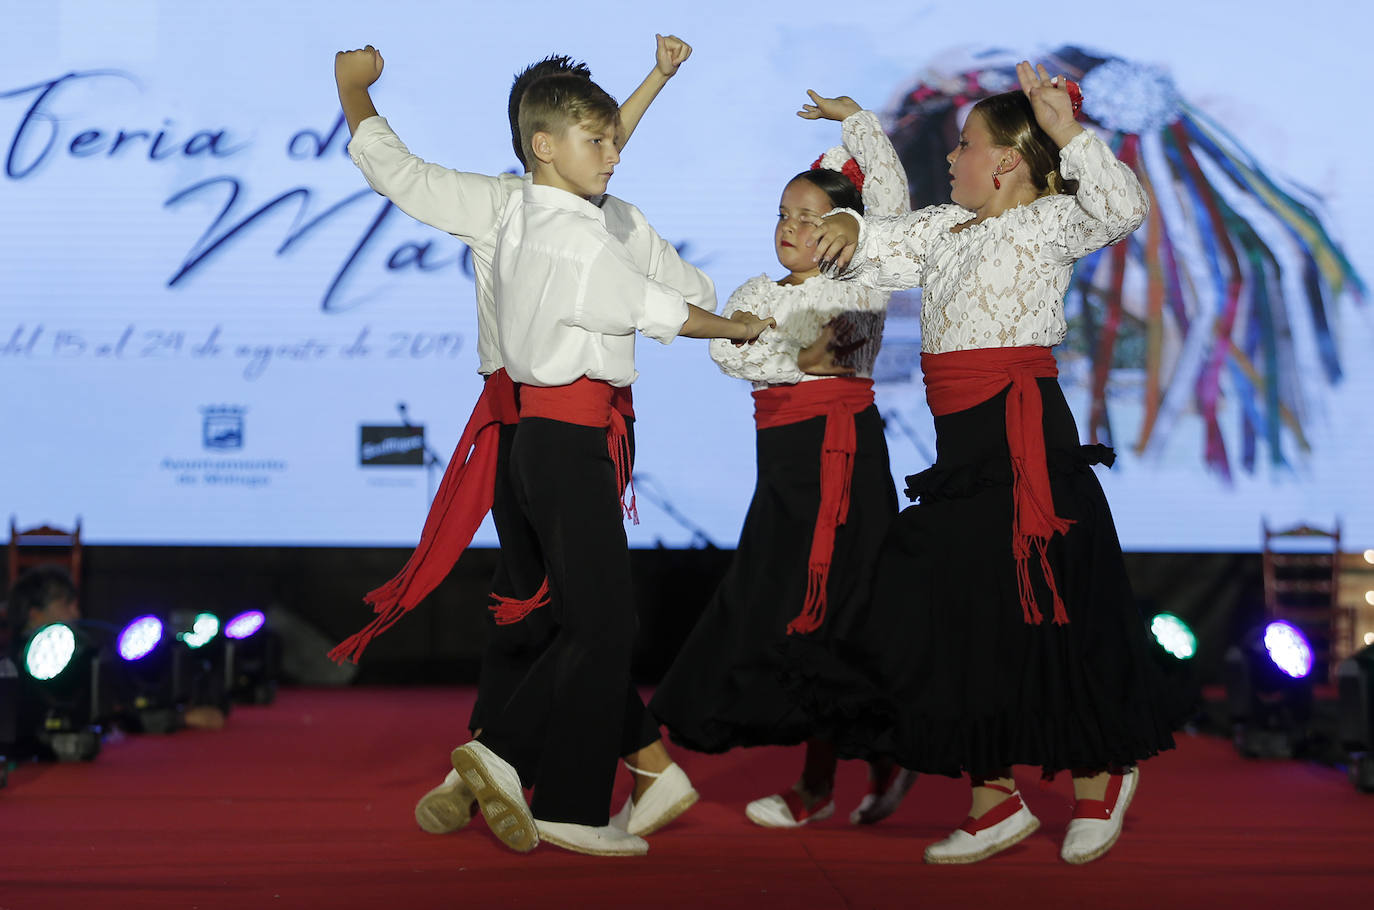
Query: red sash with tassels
{"x": 958, "y": 380}
{"x": 463, "y": 500}
{"x": 837, "y": 400}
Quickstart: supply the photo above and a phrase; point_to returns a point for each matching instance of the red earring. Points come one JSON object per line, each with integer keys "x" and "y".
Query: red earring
{"x": 996, "y": 184}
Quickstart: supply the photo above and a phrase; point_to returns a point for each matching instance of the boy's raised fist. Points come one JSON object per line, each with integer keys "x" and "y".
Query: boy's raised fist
{"x": 671, "y": 53}
{"x": 358, "y": 68}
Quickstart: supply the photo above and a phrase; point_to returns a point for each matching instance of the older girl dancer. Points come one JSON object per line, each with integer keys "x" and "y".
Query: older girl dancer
{"x": 1023, "y": 644}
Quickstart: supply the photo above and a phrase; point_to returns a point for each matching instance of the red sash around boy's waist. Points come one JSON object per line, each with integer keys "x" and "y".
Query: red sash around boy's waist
{"x": 463, "y": 500}
{"x": 590, "y": 403}
{"x": 837, "y": 400}
{"x": 958, "y": 380}
{"x": 623, "y": 400}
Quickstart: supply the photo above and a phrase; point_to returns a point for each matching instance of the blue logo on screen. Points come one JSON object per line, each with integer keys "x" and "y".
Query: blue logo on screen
{"x": 222, "y": 427}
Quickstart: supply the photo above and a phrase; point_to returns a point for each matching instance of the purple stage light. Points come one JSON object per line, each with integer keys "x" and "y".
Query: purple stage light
{"x": 1288, "y": 649}
{"x": 140, "y": 637}
{"x": 245, "y": 624}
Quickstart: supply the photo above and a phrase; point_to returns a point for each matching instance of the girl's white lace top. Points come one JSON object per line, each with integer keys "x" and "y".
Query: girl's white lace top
{"x": 803, "y": 310}
{"x": 1001, "y": 283}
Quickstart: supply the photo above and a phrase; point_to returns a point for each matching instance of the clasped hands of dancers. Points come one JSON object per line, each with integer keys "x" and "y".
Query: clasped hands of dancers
{"x": 914, "y": 640}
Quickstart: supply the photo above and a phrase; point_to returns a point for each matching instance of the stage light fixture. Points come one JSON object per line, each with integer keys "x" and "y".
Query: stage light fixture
{"x": 203, "y": 630}
{"x": 151, "y": 690}
{"x": 251, "y": 659}
{"x": 1173, "y": 647}
{"x": 1288, "y": 648}
{"x": 60, "y": 697}
{"x": 198, "y": 659}
{"x": 140, "y": 638}
{"x": 1174, "y": 636}
{"x": 1355, "y": 715}
{"x": 50, "y": 651}
{"x": 245, "y": 625}
{"x": 1269, "y": 691}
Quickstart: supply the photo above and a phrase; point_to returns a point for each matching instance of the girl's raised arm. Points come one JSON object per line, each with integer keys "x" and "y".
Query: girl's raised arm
{"x": 1110, "y": 202}
{"x": 886, "y": 253}
{"x": 885, "y": 189}
{"x": 884, "y": 183}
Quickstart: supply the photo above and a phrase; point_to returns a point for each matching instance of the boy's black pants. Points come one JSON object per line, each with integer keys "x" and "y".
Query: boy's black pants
{"x": 573, "y": 712}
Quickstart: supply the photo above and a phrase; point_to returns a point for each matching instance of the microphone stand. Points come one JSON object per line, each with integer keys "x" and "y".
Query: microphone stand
{"x": 646, "y": 486}
{"x": 432, "y": 459}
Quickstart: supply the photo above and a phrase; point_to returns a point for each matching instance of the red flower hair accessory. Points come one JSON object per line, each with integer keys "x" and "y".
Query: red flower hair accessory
{"x": 850, "y": 168}
{"x": 1075, "y": 95}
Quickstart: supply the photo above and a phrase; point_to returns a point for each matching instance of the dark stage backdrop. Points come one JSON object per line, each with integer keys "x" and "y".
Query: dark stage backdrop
{"x": 314, "y": 596}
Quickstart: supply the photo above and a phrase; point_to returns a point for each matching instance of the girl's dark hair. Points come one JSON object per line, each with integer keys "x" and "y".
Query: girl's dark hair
{"x": 842, "y": 192}
{"x": 1010, "y": 120}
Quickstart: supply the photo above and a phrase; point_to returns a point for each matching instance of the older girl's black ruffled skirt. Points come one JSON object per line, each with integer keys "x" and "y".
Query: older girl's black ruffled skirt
{"x": 729, "y": 686}
{"x": 953, "y": 678}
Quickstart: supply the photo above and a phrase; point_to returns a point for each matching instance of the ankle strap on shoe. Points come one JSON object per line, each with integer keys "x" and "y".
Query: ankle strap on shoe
{"x": 998, "y": 813}
{"x": 796, "y": 804}
{"x": 642, "y": 773}
{"x": 1100, "y": 808}
{"x": 979, "y": 782}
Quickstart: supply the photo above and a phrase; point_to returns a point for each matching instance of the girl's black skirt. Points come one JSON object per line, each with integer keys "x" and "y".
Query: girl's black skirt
{"x": 955, "y": 680}
{"x": 735, "y": 681}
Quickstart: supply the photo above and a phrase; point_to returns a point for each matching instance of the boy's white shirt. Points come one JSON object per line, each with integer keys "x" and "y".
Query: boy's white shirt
{"x": 470, "y": 206}
{"x": 571, "y": 293}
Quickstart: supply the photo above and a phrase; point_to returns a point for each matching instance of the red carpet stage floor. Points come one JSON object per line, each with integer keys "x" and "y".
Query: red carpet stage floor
{"x": 308, "y": 803}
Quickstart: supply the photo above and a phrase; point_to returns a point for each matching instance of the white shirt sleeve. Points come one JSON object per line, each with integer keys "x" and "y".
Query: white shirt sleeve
{"x": 885, "y": 190}
{"x": 773, "y": 357}
{"x": 465, "y": 205}
{"x": 667, "y": 267}
{"x": 891, "y": 254}
{"x": 616, "y": 297}
{"x": 1109, "y": 203}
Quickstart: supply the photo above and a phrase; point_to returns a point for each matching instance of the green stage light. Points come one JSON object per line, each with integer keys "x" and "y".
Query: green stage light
{"x": 50, "y": 651}
{"x": 1174, "y": 636}
{"x": 202, "y": 632}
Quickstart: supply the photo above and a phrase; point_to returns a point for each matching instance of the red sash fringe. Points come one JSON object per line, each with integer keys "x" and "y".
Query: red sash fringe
{"x": 509, "y": 610}
{"x": 463, "y": 500}
{"x": 837, "y": 400}
{"x": 958, "y": 380}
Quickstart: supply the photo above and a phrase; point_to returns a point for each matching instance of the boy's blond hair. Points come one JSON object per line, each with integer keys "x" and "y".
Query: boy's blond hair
{"x": 556, "y": 103}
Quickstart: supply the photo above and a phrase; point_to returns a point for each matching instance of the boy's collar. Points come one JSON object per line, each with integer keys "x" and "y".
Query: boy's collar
{"x": 559, "y": 198}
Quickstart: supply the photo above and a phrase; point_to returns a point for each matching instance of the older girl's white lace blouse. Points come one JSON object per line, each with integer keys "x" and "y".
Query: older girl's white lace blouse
{"x": 803, "y": 310}
{"x": 1001, "y": 283}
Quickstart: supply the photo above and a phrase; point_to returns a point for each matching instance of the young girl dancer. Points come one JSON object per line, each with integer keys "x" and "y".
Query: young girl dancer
{"x": 1022, "y": 643}
{"x": 824, "y": 494}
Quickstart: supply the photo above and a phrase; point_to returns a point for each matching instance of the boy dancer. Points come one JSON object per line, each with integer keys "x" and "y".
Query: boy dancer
{"x": 467, "y": 206}
{"x": 570, "y": 297}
